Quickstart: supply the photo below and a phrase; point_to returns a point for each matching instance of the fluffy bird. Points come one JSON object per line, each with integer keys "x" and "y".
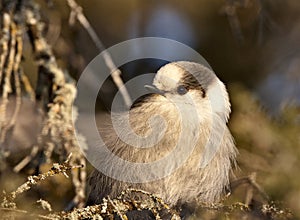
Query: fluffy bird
{"x": 185, "y": 115}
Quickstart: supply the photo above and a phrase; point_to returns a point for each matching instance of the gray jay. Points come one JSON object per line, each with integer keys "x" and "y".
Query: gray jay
{"x": 192, "y": 106}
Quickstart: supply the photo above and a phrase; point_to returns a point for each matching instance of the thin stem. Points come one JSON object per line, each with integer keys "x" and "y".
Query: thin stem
{"x": 115, "y": 72}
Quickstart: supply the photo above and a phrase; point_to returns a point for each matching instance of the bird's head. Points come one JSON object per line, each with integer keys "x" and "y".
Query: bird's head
{"x": 189, "y": 84}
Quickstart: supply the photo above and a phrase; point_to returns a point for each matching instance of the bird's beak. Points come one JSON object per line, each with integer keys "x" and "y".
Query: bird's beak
{"x": 154, "y": 89}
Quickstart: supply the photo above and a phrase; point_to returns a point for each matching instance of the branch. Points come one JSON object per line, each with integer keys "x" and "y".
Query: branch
{"x": 250, "y": 180}
{"x": 76, "y": 10}
{"x": 34, "y": 180}
{"x": 23, "y": 213}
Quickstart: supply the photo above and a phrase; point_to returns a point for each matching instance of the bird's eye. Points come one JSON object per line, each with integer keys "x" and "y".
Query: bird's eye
{"x": 181, "y": 90}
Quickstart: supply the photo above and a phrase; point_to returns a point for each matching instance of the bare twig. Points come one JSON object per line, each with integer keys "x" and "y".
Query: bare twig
{"x": 34, "y": 180}
{"x": 6, "y": 20}
{"x": 251, "y": 180}
{"x": 122, "y": 216}
{"x": 8, "y": 70}
{"x": 76, "y": 10}
{"x": 15, "y": 71}
{"x": 156, "y": 204}
{"x": 249, "y": 192}
{"x": 78, "y": 180}
{"x": 7, "y": 79}
{"x": 27, "y": 86}
{"x": 23, "y": 213}
{"x": 109, "y": 207}
{"x": 44, "y": 204}
{"x": 27, "y": 159}
{"x": 151, "y": 195}
{"x": 222, "y": 207}
{"x": 230, "y": 10}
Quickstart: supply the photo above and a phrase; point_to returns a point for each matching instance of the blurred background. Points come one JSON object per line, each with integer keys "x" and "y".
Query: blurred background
{"x": 251, "y": 42}
{"x": 252, "y": 45}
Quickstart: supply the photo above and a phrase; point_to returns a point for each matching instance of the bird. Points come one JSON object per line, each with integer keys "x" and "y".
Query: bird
{"x": 185, "y": 115}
